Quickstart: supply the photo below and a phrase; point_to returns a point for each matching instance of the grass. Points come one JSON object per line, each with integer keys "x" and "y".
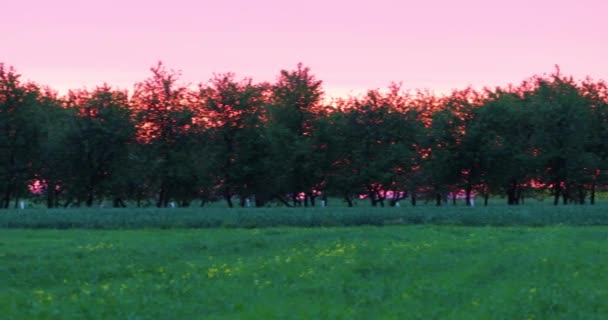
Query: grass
{"x": 133, "y": 218}
{"x": 391, "y": 272}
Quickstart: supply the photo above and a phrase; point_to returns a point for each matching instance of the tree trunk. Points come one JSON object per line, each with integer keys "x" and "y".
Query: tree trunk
{"x": 312, "y": 199}
{"x": 521, "y": 197}
{"x": 89, "y": 201}
{"x": 372, "y": 198}
{"x": 485, "y": 199}
{"x": 283, "y": 200}
{"x": 592, "y": 196}
{"x": 162, "y": 196}
{"x": 118, "y": 203}
{"x": 228, "y": 198}
{"x": 49, "y": 199}
{"x": 397, "y": 196}
{"x": 8, "y": 194}
{"x": 260, "y": 201}
{"x": 382, "y": 197}
{"x": 512, "y": 193}
{"x": 11, "y": 185}
{"x": 296, "y": 201}
{"x": 7, "y": 197}
{"x": 556, "y": 193}
{"x": 349, "y": 201}
{"x": 413, "y": 198}
{"x": 438, "y": 199}
{"x": 68, "y": 203}
{"x": 468, "y": 190}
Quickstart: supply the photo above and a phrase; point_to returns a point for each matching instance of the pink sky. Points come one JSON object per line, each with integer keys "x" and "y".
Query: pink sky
{"x": 350, "y": 45}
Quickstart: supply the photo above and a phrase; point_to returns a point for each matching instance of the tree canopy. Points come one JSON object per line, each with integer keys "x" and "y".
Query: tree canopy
{"x": 256, "y": 144}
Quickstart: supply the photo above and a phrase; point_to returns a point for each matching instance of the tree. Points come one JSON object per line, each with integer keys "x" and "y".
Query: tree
{"x": 102, "y": 138}
{"x": 235, "y": 115}
{"x": 452, "y": 164}
{"x": 596, "y": 95}
{"x": 378, "y": 137}
{"x": 18, "y": 134}
{"x": 164, "y": 116}
{"x": 499, "y": 138}
{"x": 52, "y": 162}
{"x": 338, "y": 132}
{"x": 295, "y": 103}
{"x": 562, "y": 131}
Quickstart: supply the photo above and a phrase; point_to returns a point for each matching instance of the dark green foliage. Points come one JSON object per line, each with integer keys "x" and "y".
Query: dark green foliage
{"x": 100, "y": 140}
{"x": 294, "y": 107}
{"x": 374, "y": 146}
{"x": 164, "y": 118}
{"x": 259, "y": 144}
{"x": 237, "y": 138}
{"x": 19, "y": 135}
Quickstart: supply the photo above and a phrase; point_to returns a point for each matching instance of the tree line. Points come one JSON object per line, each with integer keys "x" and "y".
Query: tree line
{"x": 249, "y": 143}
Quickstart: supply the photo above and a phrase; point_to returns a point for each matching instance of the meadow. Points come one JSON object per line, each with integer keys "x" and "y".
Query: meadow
{"x": 364, "y": 272}
{"x": 498, "y": 262}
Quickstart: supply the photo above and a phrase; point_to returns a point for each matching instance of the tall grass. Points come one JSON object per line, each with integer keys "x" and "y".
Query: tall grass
{"x": 303, "y": 217}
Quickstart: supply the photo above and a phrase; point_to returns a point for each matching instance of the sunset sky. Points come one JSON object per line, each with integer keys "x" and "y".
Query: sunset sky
{"x": 351, "y": 45}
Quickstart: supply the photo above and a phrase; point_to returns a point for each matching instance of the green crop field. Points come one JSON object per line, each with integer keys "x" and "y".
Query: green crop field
{"x": 137, "y": 218}
{"x": 363, "y": 272}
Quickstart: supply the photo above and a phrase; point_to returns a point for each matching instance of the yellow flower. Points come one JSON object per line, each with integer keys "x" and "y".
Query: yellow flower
{"x": 212, "y": 272}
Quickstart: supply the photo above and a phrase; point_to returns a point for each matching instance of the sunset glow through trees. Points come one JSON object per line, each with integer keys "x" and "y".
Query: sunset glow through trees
{"x": 262, "y": 143}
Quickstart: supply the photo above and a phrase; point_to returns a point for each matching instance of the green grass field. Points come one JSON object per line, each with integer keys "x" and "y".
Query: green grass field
{"x": 365, "y": 272}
